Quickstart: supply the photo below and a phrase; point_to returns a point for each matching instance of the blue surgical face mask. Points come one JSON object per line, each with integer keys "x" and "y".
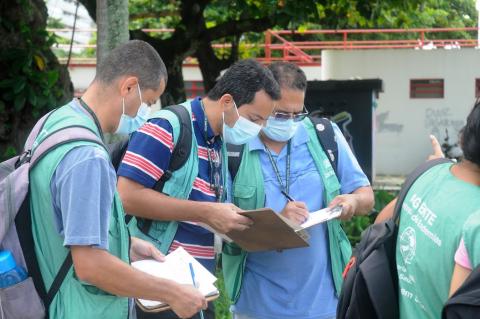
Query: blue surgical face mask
{"x": 280, "y": 130}
{"x": 242, "y": 131}
{"x": 128, "y": 124}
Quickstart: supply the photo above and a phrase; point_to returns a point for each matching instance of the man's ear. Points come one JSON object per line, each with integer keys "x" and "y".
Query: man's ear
{"x": 127, "y": 84}
{"x": 226, "y": 101}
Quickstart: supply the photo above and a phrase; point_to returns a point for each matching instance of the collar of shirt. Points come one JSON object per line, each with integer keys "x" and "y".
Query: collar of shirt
{"x": 199, "y": 115}
{"x": 300, "y": 137}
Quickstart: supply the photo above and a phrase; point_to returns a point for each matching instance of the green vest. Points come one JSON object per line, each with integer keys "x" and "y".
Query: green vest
{"x": 75, "y": 299}
{"x": 432, "y": 216}
{"x": 180, "y": 184}
{"x": 471, "y": 238}
{"x": 248, "y": 193}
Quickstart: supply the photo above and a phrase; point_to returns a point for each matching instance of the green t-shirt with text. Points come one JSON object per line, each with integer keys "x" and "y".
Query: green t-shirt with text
{"x": 432, "y": 218}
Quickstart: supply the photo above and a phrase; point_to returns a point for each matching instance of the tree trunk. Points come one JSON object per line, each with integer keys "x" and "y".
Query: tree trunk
{"x": 112, "y": 25}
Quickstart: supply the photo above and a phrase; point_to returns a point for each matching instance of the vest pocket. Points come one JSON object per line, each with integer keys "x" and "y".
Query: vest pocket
{"x": 244, "y": 196}
{"x": 21, "y": 301}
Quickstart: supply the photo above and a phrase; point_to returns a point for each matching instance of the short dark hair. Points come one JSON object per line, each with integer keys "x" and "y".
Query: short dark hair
{"x": 289, "y": 75}
{"x": 243, "y": 80}
{"x": 470, "y": 138}
{"x": 134, "y": 58}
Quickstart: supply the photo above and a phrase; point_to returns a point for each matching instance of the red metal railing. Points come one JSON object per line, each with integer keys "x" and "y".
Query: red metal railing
{"x": 304, "y": 47}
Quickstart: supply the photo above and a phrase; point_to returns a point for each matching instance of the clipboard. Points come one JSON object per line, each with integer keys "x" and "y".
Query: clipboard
{"x": 269, "y": 231}
{"x": 164, "y": 307}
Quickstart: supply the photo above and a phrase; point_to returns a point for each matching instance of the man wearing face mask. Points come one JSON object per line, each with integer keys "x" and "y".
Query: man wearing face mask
{"x": 286, "y": 169}
{"x": 75, "y": 206}
{"x": 196, "y": 192}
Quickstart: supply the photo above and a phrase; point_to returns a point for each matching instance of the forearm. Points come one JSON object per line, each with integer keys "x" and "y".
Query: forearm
{"x": 148, "y": 203}
{"x": 365, "y": 200}
{"x": 111, "y": 274}
{"x": 387, "y": 212}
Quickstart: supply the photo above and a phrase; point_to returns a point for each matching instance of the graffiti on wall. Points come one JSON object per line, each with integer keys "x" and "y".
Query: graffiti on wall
{"x": 384, "y": 126}
{"x": 437, "y": 120}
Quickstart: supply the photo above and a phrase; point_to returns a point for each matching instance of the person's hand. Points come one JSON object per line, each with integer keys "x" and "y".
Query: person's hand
{"x": 297, "y": 212}
{"x": 437, "y": 149}
{"x": 224, "y": 218}
{"x": 348, "y": 203}
{"x": 141, "y": 249}
{"x": 186, "y": 301}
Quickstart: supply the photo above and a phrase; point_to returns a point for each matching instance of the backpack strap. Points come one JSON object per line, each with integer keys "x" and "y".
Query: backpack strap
{"x": 181, "y": 153}
{"x": 326, "y": 137}
{"x": 411, "y": 180}
{"x": 23, "y": 221}
{"x": 235, "y": 153}
{"x": 183, "y": 147}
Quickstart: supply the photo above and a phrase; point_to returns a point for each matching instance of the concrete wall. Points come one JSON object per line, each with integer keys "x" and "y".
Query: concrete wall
{"x": 403, "y": 124}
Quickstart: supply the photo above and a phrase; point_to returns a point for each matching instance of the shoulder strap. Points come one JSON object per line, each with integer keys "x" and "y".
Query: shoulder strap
{"x": 181, "y": 153}
{"x": 411, "y": 180}
{"x": 183, "y": 147}
{"x": 326, "y": 137}
{"x": 235, "y": 153}
{"x": 63, "y": 136}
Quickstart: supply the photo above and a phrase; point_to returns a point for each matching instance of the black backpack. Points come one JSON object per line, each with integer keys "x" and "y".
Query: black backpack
{"x": 180, "y": 154}
{"x": 465, "y": 302}
{"x": 370, "y": 287}
{"x": 325, "y": 134}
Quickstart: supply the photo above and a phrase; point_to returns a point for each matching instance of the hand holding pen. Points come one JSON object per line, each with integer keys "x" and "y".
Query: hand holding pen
{"x": 295, "y": 211}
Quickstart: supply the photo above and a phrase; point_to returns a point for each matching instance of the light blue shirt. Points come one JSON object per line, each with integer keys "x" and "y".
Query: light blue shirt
{"x": 296, "y": 283}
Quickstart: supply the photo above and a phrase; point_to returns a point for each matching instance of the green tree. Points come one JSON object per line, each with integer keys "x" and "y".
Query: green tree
{"x": 31, "y": 79}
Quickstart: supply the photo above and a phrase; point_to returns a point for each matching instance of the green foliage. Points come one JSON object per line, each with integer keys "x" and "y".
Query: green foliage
{"x": 28, "y": 86}
{"x": 357, "y": 225}
{"x": 222, "y": 304}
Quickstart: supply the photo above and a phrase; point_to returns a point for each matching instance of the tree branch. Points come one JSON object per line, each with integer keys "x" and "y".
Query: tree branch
{"x": 230, "y": 28}
{"x": 155, "y": 14}
{"x": 91, "y": 6}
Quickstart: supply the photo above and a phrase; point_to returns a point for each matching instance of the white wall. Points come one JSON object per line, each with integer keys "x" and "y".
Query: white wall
{"x": 403, "y": 124}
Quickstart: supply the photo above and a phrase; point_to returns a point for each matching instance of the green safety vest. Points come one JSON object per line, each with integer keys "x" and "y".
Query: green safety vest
{"x": 75, "y": 299}
{"x": 162, "y": 233}
{"x": 248, "y": 193}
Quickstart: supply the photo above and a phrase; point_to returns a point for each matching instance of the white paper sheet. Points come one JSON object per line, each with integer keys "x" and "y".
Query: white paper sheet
{"x": 176, "y": 267}
{"x": 321, "y": 216}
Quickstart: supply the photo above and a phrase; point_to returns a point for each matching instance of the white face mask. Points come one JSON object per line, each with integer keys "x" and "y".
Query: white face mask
{"x": 242, "y": 131}
{"x": 128, "y": 124}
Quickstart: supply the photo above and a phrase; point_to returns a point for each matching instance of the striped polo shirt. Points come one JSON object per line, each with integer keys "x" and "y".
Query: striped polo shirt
{"x": 148, "y": 156}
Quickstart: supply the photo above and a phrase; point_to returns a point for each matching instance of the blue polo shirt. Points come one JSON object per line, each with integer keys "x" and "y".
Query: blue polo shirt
{"x": 147, "y": 158}
{"x": 296, "y": 283}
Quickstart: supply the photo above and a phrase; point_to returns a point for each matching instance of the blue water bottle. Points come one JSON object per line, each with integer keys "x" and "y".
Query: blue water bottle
{"x": 10, "y": 272}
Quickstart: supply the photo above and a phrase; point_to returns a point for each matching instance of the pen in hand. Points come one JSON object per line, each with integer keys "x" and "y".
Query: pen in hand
{"x": 192, "y": 273}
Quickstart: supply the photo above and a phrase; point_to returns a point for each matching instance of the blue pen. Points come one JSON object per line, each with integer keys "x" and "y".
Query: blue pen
{"x": 194, "y": 284}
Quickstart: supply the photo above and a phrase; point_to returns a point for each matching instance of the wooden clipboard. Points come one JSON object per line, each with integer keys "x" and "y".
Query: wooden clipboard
{"x": 269, "y": 231}
{"x": 164, "y": 307}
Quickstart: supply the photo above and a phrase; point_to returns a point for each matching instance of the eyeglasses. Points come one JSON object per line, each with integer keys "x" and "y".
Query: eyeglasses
{"x": 297, "y": 117}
